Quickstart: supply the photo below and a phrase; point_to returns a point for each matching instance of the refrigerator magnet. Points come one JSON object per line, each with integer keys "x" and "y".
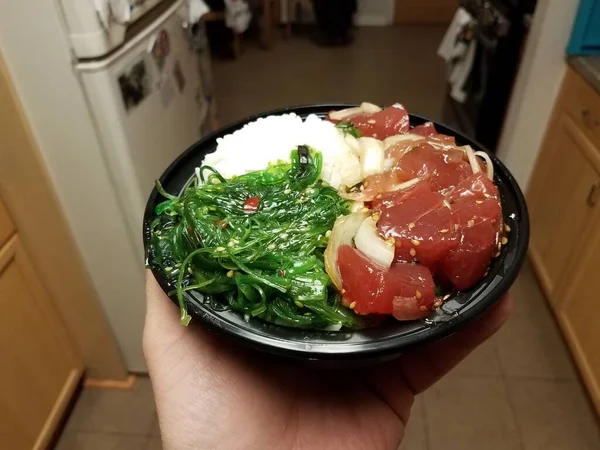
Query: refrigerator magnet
{"x": 134, "y": 84}
{"x": 178, "y": 75}
{"x": 160, "y": 47}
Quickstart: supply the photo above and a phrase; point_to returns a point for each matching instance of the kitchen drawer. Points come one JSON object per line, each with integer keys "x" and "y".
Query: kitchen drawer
{"x": 6, "y": 226}
{"x": 582, "y": 102}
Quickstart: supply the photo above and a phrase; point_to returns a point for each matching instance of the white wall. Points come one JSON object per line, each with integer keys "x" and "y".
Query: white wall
{"x": 536, "y": 87}
{"x": 375, "y": 12}
{"x": 37, "y": 55}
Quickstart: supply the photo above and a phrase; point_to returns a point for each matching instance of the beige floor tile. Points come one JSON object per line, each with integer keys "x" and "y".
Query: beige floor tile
{"x": 102, "y": 441}
{"x": 115, "y": 411}
{"x": 528, "y": 298}
{"x": 483, "y": 361}
{"x": 532, "y": 346}
{"x": 467, "y": 413}
{"x": 415, "y": 437}
{"x": 154, "y": 443}
{"x": 155, "y": 429}
{"x": 379, "y": 67}
{"x": 554, "y": 415}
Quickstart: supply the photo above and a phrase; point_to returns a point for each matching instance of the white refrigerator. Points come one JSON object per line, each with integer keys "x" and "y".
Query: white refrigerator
{"x": 114, "y": 91}
{"x": 144, "y": 75}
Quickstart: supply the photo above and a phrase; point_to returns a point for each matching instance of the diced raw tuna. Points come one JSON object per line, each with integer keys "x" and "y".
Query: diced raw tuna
{"x": 476, "y": 207}
{"x": 391, "y": 121}
{"x": 405, "y": 290}
{"x": 420, "y": 222}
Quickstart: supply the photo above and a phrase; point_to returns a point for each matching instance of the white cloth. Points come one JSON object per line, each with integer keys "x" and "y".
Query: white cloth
{"x": 237, "y": 15}
{"x": 196, "y": 9}
{"x": 459, "y": 55}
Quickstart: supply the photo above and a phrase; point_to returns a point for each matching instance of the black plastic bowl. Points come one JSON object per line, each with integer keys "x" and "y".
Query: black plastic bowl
{"x": 391, "y": 337}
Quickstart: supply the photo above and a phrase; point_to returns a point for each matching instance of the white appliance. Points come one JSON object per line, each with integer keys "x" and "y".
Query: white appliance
{"x": 114, "y": 90}
{"x": 149, "y": 104}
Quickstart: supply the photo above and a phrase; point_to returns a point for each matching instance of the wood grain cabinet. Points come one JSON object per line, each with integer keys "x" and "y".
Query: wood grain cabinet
{"x": 564, "y": 202}
{"x": 40, "y": 367}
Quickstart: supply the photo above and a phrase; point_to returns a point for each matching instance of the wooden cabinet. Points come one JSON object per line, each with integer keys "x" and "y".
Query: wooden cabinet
{"x": 558, "y": 199}
{"x": 579, "y": 315}
{"x": 40, "y": 368}
{"x": 564, "y": 203}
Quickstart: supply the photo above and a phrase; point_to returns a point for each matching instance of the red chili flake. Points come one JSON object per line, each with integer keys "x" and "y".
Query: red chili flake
{"x": 251, "y": 205}
{"x": 221, "y": 223}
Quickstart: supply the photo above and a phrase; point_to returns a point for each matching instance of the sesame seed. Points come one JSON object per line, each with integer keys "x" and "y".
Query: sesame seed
{"x": 378, "y": 196}
{"x": 364, "y": 209}
{"x": 168, "y": 269}
{"x": 343, "y": 291}
{"x": 371, "y": 121}
{"x": 413, "y": 252}
{"x": 418, "y": 294}
{"x": 376, "y": 217}
{"x": 230, "y": 274}
{"x": 178, "y": 265}
{"x": 479, "y": 202}
{"x": 299, "y": 304}
{"x": 220, "y": 249}
{"x": 411, "y": 225}
{"x": 287, "y": 191}
{"x": 507, "y": 228}
{"x": 230, "y": 244}
{"x": 446, "y": 297}
{"x": 284, "y": 236}
{"x": 365, "y": 184}
{"x": 437, "y": 304}
{"x": 352, "y": 305}
{"x": 271, "y": 246}
{"x": 499, "y": 246}
{"x": 415, "y": 242}
{"x": 504, "y": 241}
{"x": 328, "y": 233}
{"x": 445, "y": 230}
{"x": 487, "y": 195}
{"x": 190, "y": 271}
{"x": 496, "y": 255}
{"x": 471, "y": 223}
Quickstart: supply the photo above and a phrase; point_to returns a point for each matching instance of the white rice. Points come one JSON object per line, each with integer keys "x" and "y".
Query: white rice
{"x": 271, "y": 139}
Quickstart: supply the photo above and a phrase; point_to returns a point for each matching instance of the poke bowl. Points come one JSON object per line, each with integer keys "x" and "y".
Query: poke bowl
{"x": 308, "y": 256}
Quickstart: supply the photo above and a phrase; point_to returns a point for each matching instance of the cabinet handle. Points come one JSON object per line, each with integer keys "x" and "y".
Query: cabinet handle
{"x": 588, "y": 119}
{"x": 592, "y": 196}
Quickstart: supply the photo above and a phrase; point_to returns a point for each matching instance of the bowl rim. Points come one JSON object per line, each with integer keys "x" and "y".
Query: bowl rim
{"x": 337, "y": 350}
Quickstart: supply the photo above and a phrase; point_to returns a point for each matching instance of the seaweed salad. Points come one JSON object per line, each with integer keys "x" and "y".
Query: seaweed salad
{"x": 254, "y": 243}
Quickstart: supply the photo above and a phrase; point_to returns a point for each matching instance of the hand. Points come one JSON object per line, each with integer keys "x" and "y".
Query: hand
{"x": 211, "y": 394}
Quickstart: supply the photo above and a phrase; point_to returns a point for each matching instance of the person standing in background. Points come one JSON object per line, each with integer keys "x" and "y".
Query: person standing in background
{"x": 334, "y": 22}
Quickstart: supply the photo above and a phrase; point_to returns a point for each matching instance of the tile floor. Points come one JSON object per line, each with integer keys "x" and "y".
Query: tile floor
{"x": 518, "y": 391}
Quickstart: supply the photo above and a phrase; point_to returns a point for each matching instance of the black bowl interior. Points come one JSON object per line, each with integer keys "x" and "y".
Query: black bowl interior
{"x": 389, "y": 338}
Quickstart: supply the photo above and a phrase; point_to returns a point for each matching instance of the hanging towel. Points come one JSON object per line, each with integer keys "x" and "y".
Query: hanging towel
{"x": 458, "y": 50}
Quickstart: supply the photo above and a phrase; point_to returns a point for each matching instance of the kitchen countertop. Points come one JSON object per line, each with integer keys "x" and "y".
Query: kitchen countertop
{"x": 588, "y": 67}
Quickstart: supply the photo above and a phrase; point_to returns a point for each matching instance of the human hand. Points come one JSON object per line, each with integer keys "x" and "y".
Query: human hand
{"x": 211, "y": 394}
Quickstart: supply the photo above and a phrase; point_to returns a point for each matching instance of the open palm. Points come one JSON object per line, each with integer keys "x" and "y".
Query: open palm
{"x": 211, "y": 394}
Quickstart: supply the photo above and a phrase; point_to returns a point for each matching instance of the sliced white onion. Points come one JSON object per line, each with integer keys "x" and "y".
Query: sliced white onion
{"x": 393, "y": 140}
{"x": 372, "y": 245}
{"x": 352, "y": 143}
{"x": 372, "y": 156}
{"x": 472, "y": 159}
{"x": 357, "y": 206}
{"x": 343, "y": 232}
{"x": 369, "y": 108}
{"x": 406, "y": 184}
{"x": 345, "y": 113}
{"x": 488, "y": 164}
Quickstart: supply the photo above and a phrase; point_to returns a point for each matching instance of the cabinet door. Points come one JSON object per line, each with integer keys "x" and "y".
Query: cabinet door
{"x": 40, "y": 370}
{"x": 565, "y": 174}
{"x": 580, "y": 317}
